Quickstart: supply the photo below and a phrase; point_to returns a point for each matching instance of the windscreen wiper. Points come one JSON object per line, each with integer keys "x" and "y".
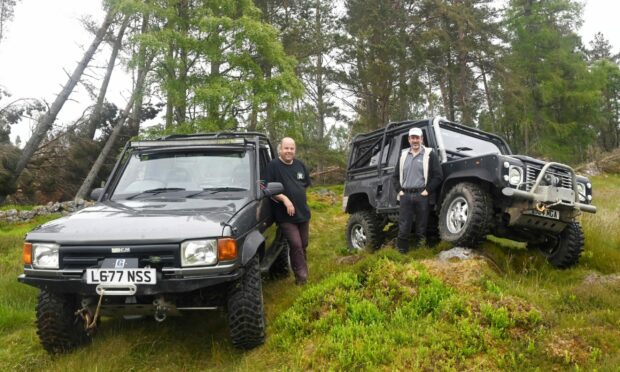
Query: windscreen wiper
{"x": 156, "y": 191}
{"x": 213, "y": 190}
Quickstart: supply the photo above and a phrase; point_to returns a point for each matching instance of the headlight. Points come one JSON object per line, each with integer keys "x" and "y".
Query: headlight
{"x": 581, "y": 190}
{"x": 515, "y": 175}
{"x": 45, "y": 255}
{"x": 199, "y": 252}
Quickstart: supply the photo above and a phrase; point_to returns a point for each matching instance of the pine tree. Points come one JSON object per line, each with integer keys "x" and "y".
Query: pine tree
{"x": 548, "y": 97}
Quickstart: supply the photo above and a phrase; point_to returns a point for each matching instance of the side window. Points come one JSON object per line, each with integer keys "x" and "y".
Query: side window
{"x": 377, "y": 152}
{"x": 264, "y": 160}
{"x": 366, "y": 153}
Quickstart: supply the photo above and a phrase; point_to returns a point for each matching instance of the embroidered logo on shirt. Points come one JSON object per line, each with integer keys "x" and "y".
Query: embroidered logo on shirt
{"x": 300, "y": 176}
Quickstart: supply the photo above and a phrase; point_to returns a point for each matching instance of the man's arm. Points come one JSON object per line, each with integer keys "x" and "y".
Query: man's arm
{"x": 396, "y": 176}
{"x": 435, "y": 173}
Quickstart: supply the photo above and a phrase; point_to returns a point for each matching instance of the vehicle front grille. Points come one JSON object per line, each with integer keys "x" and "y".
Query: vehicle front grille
{"x": 83, "y": 257}
{"x": 533, "y": 170}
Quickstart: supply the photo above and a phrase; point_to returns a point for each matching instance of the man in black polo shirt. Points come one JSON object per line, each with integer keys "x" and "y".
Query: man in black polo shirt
{"x": 417, "y": 177}
{"x": 291, "y": 211}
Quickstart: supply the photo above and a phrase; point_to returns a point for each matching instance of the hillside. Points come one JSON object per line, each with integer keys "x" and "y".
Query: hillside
{"x": 507, "y": 309}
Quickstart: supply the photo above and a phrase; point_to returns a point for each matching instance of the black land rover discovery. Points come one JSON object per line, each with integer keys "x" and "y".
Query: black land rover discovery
{"x": 183, "y": 223}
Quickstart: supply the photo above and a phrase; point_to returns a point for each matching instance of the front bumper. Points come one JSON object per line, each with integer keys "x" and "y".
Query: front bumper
{"x": 559, "y": 197}
{"x": 55, "y": 281}
{"x": 556, "y": 197}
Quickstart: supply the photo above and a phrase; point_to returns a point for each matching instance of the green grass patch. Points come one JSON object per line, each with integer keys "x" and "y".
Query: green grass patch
{"x": 380, "y": 311}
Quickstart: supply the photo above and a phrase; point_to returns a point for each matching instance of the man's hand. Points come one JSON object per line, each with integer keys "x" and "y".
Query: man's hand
{"x": 401, "y": 193}
{"x": 424, "y": 193}
{"x": 290, "y": 208}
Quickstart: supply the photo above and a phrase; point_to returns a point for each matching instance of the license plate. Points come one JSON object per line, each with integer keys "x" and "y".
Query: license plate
{"x": 549, "y": 213}
{"x": 121, "y": 276}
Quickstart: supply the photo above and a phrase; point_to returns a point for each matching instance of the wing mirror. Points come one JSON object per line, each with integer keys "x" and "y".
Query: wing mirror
{"x": 273, "y": 188}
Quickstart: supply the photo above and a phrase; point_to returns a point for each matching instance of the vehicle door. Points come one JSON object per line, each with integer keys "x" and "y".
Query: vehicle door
{"x": 267, "y": 226}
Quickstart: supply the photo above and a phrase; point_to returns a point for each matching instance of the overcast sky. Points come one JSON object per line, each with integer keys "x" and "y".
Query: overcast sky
{"x": 46, "y": 40}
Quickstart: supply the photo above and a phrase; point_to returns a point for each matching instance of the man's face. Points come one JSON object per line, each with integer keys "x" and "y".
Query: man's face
{"x": 415, "y": 142}
{"x": 287, "y": 150}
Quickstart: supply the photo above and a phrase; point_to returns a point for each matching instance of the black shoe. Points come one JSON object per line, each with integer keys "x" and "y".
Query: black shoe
{"x": 301, "y": 282}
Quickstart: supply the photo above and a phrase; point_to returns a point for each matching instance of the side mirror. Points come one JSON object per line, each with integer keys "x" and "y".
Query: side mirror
{"x": 273, "y": 188}
{"x": 96, "y": 193}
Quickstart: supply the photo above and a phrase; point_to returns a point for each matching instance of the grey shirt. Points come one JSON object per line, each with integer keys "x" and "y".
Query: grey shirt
{"x": 413, "y": 171}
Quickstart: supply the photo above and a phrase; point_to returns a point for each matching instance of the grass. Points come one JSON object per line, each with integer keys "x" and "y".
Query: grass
{"x": 372, "y": 311}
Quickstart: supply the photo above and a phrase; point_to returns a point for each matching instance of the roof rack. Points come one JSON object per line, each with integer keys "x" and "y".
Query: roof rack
{"x": 197, "y": 139}
{"x": 223, "y": 134}
{"x": 390, "y": 127}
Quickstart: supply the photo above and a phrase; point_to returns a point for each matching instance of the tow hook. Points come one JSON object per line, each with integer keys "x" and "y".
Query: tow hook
{"x": 90, "y": 319}
{"x": 161, "y": 310}
{"x": 540, "y": 207}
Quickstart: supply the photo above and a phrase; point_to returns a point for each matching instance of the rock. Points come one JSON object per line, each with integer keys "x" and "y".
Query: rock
{"x": 26, "y": 215}
{"x": 457, "y": 253}
{"x": 349, "y": 260}
{"x": 11, "y": 213}
{"x": 596, "y": 278}
{"x": 39, "y": 210}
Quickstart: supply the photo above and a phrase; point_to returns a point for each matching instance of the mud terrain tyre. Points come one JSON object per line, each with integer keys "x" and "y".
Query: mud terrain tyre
{"x": 280, "y": 267}
{"x": 465, "y": 215}
{"x": 59, "y": 329}
{"x": 564, "y": 251}
{"x": 246, "y": 314}
{"x": 364, "y": 231}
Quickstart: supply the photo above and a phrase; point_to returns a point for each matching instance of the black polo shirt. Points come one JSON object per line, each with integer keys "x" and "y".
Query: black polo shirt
{"x": 295, "y": 179}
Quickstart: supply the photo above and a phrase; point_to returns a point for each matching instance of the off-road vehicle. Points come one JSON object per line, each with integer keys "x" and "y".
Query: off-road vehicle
{"x": 486, "y": 190}
{"x": 183, "y": 223}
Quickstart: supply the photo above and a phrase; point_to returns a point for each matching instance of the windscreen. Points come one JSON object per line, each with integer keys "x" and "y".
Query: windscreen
{"x": 466, "y": 145}
{"x": 186, "y": 171}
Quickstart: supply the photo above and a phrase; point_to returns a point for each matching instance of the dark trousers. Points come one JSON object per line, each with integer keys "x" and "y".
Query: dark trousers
{"x": 297, "y": 236}
{"x": 412, "y": 204}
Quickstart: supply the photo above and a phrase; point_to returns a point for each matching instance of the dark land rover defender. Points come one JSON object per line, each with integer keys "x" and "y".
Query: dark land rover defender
{"x": 486, "y": 190}
{"x": 184, "y": 223}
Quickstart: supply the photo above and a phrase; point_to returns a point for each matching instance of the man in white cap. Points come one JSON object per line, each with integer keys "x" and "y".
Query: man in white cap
{"x": 417, "y": 177}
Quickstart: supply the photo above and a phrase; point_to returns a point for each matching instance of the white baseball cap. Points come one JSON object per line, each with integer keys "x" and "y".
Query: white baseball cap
{"x": 415, "y": 132}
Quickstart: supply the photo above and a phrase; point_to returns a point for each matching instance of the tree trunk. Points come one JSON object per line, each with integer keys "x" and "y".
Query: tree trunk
{"x": 136, "y": 114}
{"x": 45, "y": 121}
{"x": 170, "y": 70}
{"x": 95, "y": 117}
{"x": 180, "y": 109}
{"x": 487, "y": 93}
{"x": 105, "y": 152}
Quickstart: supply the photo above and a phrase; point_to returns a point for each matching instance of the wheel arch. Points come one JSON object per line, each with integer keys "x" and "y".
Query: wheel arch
{"x": 254, "y": 243}
{"x": 486, "y": 183}
{"x": 358, "y": 202}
